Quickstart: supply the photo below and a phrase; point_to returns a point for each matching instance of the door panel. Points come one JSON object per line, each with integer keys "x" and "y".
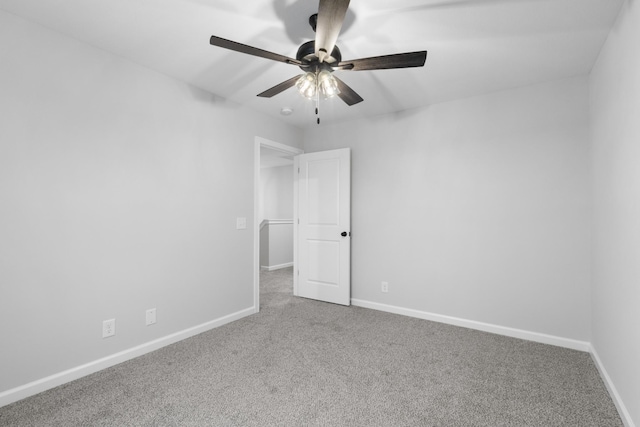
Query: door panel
{"x": 322, "y": 181}
{"x": 324, "y": 267}
{"x": 323, "y": 207}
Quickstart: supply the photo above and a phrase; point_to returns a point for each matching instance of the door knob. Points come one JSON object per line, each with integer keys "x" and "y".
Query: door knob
{"x": 343, "y": 234}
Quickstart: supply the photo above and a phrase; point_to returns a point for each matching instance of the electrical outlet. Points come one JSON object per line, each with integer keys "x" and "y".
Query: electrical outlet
{"x": 108, "y": 328}
{"x": 385, "y": 287}
{"x": 151, "y": 316}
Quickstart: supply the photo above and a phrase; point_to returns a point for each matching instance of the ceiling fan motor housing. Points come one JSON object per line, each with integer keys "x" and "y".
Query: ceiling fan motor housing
{"x": 307, "y": 55}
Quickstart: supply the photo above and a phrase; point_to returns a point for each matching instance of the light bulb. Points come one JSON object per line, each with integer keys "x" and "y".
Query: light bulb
{"x": 307, "y": 85}
{"x": 327, "y": 84}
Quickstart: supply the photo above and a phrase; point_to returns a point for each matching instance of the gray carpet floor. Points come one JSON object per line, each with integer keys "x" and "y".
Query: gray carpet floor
{"x": 301, "y": 362}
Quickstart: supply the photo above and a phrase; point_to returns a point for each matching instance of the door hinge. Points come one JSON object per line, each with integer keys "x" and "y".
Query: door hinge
{"x": 298, "y": 170}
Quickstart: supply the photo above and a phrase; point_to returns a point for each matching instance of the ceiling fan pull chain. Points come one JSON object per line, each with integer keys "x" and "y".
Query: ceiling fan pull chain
{"x": 317, "y": 99}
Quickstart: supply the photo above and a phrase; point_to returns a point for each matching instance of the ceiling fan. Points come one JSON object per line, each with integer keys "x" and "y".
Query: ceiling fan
{"x": 319, "y": 58}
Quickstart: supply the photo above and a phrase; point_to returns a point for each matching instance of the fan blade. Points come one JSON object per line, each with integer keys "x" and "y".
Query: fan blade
{"x": 331, "y": 15}
{"x": 348, "y": 95}
{"x": 398, "y": 60}
{"x": 280, "y": 87}
{"x": 250, "y": 50}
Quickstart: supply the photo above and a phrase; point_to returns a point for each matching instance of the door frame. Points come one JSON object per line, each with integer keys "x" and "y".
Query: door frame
{"x": 266, "y": 143}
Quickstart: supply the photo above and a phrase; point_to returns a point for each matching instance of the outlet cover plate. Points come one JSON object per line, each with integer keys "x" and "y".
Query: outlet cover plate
{"x": 241, "y": 223}
{"x": 108, "y": 328}
{"x": 151, "y": 316}
{"x": 384, "y": 287}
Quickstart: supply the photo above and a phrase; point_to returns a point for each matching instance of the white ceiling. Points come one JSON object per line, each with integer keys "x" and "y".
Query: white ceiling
{"x": 474, "y": 46}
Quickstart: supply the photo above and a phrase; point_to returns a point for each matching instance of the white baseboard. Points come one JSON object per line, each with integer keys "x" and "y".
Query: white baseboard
{"x": 276, "y": 267}
{"x": 480, "y": 326}
{"x": 38, "y": 386}
{"x": 613, "y": 392}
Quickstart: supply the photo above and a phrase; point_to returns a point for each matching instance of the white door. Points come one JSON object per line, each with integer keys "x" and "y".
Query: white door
{"x": 323, "y": 241}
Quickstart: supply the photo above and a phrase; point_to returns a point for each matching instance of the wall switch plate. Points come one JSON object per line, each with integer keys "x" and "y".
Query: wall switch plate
{"x": 108, "y": 328}
{"x": 241, "y": 223}
{"x": 384, "y": 287}
{"x": 151, "y": 316}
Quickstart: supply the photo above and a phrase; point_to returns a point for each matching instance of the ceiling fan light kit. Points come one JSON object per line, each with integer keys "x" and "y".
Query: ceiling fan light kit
{"x": 310, "y": 85}
{"x": 318, "y": 64}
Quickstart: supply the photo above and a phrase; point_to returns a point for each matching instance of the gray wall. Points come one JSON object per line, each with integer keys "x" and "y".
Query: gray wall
{"x": 276, "y": 203}
{"x": 478, "y": 209}
{"x": 119, "y": 191}
{"x": 276, "y": 244}
{"x": 615, "y": 121}
{"x": 276, "y": 191}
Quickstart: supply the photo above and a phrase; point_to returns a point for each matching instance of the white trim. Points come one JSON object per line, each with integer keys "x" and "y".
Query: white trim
{"x": 277, "y": 221}
{"x": 38, "y": 386}
{"x": 283, "y": 148}
{"x": 480, "y": 326}
{"x": 613, "y": 392}
{"x": 276, "y": 267}
{"x": 296, "y": 224}
{"x": 262, "y": 142}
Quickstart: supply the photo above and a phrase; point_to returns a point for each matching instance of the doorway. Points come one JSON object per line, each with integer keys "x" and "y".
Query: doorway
{"x": 273, "y": 219}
